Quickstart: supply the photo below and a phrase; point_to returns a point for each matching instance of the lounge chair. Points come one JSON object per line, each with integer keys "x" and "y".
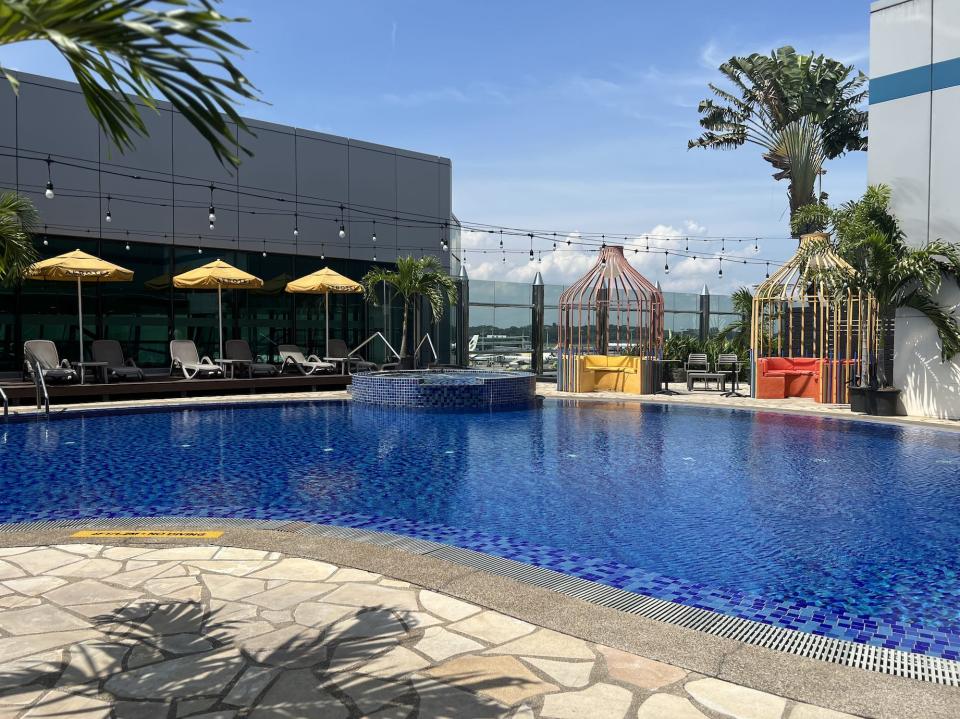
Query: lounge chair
{"x": 293, "y": 358}
{"x": 240, "y": 350}
{"x": 109, "y": 351}
{"x": 43, "y": 353}
{"x": 337, "y": 351}
{"x": 185, "y": 358}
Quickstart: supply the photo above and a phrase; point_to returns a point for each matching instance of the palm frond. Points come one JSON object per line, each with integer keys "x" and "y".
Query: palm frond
{"x": 178, "y": 49}
{"x": 18, "y": 222}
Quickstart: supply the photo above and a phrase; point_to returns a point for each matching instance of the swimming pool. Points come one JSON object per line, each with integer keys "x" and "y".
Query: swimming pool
{"x": 844, "y": 529}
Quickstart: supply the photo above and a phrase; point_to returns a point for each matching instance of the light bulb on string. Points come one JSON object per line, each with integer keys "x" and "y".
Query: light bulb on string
{"x": 686, "y": 245}
{"x": 539, "y": 257}
{"x": 264, "y": 252}
{"x": 767, "y": 276}
{"x": 723, "y": 245}
{"x": 211, "y": 213}
{"x": 646, "y": 240}
{"x": 343, "y": 230}
{"x": 45, "y": 240}
{"x": 666, "y": 264}
{"x": 108, "y": 217}
{"x": 530, "y": 235}
{"x": 720, "y": 273}
{"x": 296, "y": 224}
{"x": 199, "y": 245}
{"x": 127, "y": 246}
{"x": 373, "y": 236}
{"x": 48, "y": 192}
{"x": 756, "y": 245}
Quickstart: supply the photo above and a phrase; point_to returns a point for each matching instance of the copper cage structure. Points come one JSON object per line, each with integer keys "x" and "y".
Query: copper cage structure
{"x": 611, "y": 329}
{"x": 797, "y": 320}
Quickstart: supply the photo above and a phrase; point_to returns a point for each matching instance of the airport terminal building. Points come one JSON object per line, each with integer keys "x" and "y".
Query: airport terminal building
{"x": 278, "y": 216}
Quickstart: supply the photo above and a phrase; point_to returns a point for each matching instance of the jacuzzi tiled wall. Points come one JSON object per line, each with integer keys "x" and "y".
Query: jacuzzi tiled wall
{"x": 454, "y": 389}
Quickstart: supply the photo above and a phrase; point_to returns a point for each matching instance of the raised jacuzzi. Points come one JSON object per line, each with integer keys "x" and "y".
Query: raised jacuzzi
{"x": 445, "y": 388}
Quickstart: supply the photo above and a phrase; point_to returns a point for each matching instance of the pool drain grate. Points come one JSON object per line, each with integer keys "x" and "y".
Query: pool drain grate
{"x": 827, "y": 649}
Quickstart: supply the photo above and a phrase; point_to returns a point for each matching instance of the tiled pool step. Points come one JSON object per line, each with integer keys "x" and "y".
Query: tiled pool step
{"x": 836, "y": 651}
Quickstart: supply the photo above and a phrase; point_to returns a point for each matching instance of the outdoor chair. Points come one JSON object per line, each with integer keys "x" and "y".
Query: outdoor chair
{"x": 109, "y": 351}
{"x": 697, "y": 363}
{"x": 729, "y": 362}
{"x": 293, "y": 358}
{"x": 185, "y": 358}
{"x": 240, "y": 350}
{"x": 337, "y": 351}
{"x": 43, "y": 353}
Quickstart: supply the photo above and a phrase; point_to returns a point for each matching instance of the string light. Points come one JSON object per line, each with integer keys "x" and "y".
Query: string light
{"x": 666, "y": 265}
{"x": 343, "y": 229}
{"x": 264, "y": 253}
{"x": 531, "y": 245}
{"x": 45, "y": 240}
{"x": 756, "y": 245}
{"x": 127, "y": 246}
{"x": 767, "y": 276}
{"x": 723, "y": 245}
{"x": 720, "y": 273}
{"x": 48, "y": 193}
{"x": 199, "y": 245}
{"x": 212, "y": 213}
{"x": 108, "y": 217}
{"x": 373, "y": 237}
{"x": 296, "y": 224}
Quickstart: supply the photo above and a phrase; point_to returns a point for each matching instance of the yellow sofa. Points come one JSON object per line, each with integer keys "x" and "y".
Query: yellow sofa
{"x": 616, "y": 373}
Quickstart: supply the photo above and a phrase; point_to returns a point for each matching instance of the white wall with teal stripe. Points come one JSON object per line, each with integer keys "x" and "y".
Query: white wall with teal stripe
{"x": 915, "y": 149}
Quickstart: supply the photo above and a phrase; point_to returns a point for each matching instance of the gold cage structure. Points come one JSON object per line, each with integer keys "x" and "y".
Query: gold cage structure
{"x": 804, "y": 341}
{"x": 610, "y": 334}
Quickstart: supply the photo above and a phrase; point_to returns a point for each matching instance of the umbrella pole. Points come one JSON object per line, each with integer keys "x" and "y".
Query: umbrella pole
{"x": 220, "y": 318}
{"x": 326, "y": 324}
{"x": 80, "y": 319}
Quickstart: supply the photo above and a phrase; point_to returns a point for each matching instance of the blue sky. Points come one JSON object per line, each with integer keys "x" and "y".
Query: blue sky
{"x": 561, "y": 115}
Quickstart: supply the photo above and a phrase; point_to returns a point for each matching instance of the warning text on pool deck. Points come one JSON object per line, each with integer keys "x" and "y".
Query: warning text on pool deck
{"x": 148, "y": 533}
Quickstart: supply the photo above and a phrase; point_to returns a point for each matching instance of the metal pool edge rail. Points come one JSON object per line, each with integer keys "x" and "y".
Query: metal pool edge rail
{"x": 868, "y": 657}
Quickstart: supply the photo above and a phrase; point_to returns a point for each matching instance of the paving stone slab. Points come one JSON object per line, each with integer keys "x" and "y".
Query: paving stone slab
{"x": 40, "y": 620}
{"x": 224, "y": 586}
{"x": 639, "y": 671}
{"x": 89, "y": 591}
{"x": 39, "y": 561}
{"x": 601, "y": 701}
{"x": 493, "y": 627}
{"x": 734, "y": 700}
{"x": 191, "y": 676}
{"x": 292, "y": 646}
{"x": 298, "y": 695}
{"x": 250, "y": 685}
{"x": 446, "y": 607}
{"x": 570, "y": 674}
{"x": 57, "y": 704}
{"x": 668, "y": 706}
{"x": 440, "y": 644}
{"x": 32, "y": 586}
{"x": 502, "y": 678}
{"x": 288, "y": 595}
{"x": 547, "y": 643}
{"x": 299, "y": 570}
{"x": 373, "y": 595}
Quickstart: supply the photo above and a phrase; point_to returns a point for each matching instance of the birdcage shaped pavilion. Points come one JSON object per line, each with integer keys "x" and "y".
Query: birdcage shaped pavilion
{"x": 611, "y": 329}
{"x": 806, "y": 339}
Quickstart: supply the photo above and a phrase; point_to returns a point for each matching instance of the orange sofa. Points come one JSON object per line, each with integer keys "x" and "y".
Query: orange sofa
{"x": 782, "y": 377}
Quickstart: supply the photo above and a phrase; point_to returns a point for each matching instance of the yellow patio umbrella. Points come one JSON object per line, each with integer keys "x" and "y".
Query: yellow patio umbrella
{"x": 324, "y": 282}
{"x": 217, "y": 275}
{"x": 78, "y": 267}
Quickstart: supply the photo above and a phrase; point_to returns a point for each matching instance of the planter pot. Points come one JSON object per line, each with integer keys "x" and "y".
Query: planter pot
{"x": 858, "y": 398}
{"x": 883, "y": 402}
{"x": 406, "y": 362}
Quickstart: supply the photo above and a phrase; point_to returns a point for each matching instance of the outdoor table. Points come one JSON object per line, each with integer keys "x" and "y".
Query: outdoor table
{"x": 100, "y": 367}
{"x": 735, "y": 383}
{"x": 664, "y": 379}
{"x": 342, "y": 361}
{"x": 719, "y": 377}
{"x": 232, "y": 364}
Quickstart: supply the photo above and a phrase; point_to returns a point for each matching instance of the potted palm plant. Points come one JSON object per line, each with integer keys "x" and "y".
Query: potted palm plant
{"x": 867, "y": 235}
{"x": 411, "y": 280}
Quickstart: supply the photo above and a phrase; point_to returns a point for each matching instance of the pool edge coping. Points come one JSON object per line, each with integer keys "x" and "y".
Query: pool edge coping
{"x": 745, "y": 638}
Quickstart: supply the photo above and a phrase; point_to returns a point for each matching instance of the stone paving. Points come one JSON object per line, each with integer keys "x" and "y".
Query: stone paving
{"x": 90, "y": 631}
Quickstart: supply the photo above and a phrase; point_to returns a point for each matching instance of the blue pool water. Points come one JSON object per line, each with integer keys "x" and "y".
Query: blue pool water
{"x": 840, "y": 528}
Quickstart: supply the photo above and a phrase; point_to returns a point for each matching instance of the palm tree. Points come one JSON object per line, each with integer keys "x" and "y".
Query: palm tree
{"x": 18, "y": 221}
{"x": 868, "y": 236}
{"x": 799, "y": 109}
{"x": 178, "y": 48}
{"x": 412, "y": 279}
{"x": 738, "y": 331}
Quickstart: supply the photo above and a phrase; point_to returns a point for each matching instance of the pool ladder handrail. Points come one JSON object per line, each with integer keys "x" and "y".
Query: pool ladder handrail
{"x": 433, "y": 350}
{"x": 41, "y": 386}
{"x": 6, "y": 403}
{"x": 369, "y": 340}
